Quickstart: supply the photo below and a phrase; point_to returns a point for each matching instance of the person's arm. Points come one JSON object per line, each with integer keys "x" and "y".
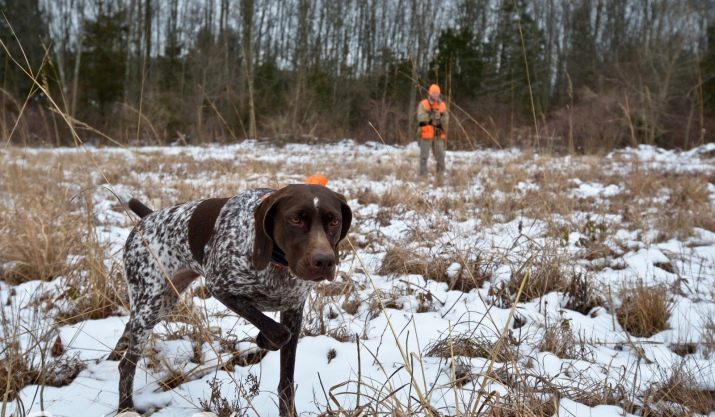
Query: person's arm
{"x": 445, "y": 119}
{"x": 423, "y": 116}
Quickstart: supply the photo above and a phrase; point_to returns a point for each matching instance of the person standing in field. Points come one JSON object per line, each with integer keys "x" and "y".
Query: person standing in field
{"x": 432, "y": 119}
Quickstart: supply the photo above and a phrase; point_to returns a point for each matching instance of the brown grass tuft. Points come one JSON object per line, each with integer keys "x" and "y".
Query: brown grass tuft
{"x": 522, "y": 405}
{"x": 472, "y": 346}
{"x": 582, "y": 296}
{"x": 561, "y": 341}
{"x": 542, "y": 277}
{"x": 644, "y": 310}
{"x": 174, "y": 377}
{"x": 472, "y": 273}
{"x": 680, "y": 389}
{"x": 17, "y": 370}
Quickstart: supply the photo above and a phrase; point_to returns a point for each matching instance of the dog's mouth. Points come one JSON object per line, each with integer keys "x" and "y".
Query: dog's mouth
{"x": 306, "y": 273}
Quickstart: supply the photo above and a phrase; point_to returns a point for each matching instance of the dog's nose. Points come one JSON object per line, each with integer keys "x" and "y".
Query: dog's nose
{"x": 323, "y": 261}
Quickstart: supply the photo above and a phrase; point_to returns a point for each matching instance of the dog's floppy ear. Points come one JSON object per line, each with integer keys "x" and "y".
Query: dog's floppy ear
{"x": 347, "y": 215}
{"x": 263, "y": 241}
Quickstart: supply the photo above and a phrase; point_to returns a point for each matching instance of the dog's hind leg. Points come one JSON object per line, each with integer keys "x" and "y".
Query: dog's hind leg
{"x": 139, "y": 329}
{"x": 122, "y": 343}
{"x": 146, "y": 311}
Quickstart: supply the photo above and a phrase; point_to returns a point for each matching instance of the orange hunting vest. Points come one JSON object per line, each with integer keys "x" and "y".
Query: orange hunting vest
{"x": 427, "y": 131}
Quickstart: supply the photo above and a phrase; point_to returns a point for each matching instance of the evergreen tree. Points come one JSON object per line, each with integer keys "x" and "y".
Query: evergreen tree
{"x": 582, "y": 57}
{"x": 27, "y": 26}
{"x": 708, "y": 70}
{"x": 459, "y": 59}
{"x": 518, "y": 65}
{"x": 104, "y": 58}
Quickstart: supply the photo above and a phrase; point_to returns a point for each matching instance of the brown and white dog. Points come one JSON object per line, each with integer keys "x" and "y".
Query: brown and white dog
{"x": 261, "y": 250}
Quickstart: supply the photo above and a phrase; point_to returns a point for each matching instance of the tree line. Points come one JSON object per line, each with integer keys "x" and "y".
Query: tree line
{"x": 579, "y": 75}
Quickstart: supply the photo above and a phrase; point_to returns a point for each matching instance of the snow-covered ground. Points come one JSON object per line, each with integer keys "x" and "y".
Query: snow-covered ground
{"x": 499, "y": 212}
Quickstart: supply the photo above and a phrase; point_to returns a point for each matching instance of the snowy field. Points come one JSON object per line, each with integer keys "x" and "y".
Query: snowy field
{"x": 522, "y": 284}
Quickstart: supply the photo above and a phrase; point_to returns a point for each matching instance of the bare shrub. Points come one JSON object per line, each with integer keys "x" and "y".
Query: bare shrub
{"x": 15, "y": 371}
{"x": 62, "y": 371}
{"x": 581, "y": 125}
{"x": 644, "y": 310}
{"x": 683, "y": 348}
{"x": 43, "y": 362}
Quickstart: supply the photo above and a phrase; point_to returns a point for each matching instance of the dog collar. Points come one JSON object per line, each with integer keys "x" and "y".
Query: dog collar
{"x": 278, "y": 257}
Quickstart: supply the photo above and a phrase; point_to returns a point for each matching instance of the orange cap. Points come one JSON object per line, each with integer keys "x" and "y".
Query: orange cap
{"x": 434, "y": 89}
{"x": 317, "y": 180}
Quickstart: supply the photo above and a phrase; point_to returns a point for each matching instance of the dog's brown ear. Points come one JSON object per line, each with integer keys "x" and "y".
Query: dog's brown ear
{"x": 263, "y": 241}
{"x": 347, "y": 216}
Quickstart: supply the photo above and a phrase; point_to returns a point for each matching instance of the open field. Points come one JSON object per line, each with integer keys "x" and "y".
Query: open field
{"x": 522, "y": 284}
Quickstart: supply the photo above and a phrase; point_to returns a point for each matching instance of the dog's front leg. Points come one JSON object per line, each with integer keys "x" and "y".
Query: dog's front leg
{"x": 272, "y": 335}
{"x": 293, "y": 320}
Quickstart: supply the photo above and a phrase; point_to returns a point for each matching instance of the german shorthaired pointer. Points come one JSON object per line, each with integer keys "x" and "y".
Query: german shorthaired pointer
{"x": 261, "y": 250}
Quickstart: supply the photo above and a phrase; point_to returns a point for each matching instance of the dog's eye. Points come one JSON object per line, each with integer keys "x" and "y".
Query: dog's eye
{"x": 335, "y": 222}
{"x": 295, "y": 220}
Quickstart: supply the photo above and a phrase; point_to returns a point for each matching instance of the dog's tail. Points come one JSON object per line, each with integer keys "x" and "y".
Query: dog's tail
{"x": 139, "y": 208}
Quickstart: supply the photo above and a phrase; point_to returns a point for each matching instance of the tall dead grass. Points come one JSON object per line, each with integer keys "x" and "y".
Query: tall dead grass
{"x": 41, "y": 222}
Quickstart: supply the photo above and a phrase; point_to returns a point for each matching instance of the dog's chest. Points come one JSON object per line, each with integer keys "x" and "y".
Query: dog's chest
{"x": 274, "y": 289}
{"x": 229, "y": 260}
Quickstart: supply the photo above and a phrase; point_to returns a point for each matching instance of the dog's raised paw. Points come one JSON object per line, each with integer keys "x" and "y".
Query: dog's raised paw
{"x": 277, "y": 340}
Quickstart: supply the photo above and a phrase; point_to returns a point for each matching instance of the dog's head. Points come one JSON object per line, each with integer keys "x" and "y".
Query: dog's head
{"x": 304, "y": 223}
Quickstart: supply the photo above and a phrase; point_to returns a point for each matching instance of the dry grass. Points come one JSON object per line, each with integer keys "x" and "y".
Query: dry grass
{"x": 44, "y": 225}
{"x": 44, "y": 361}
{"x": 582, "y": 294}
{"x": 560, "y": 340}
{"x": 679, "y": 395}
{"x": 221, "y": 407}
{"x": 543, "y": 275}
{"x": 522, "y": 405}
{"x": 473, "y": 346}
{"x": 672, "y": 203}
{"x": 644, "y": 310}
{"x": 95, "y": 289}
{"x": 173, "y": 378}
{"x": 15, "y": 371}
{"x": 708, "y": 337}
{"x": 472, "y": 273}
